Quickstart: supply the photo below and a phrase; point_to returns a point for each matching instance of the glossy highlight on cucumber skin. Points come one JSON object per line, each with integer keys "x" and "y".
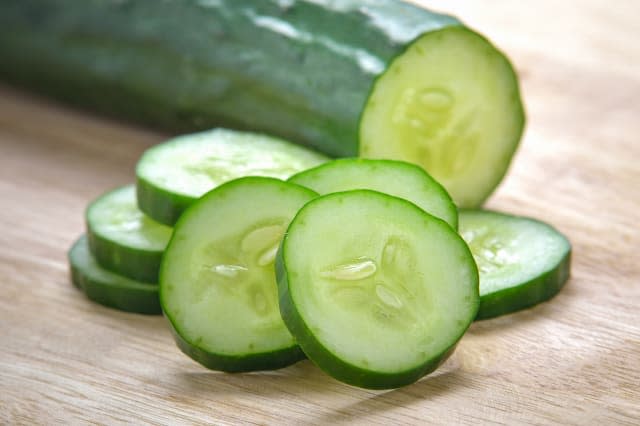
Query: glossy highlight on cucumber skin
{"x": 343, "y": 369}
{"x": 219, "y": 357}
{"x": 107, "y": 288}
{"x": 153, "y": 62}
{"x": 137, "y": 60}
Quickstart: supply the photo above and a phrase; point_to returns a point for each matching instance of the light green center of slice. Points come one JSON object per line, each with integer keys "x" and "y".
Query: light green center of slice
{"x": 194, "y": 164}
{"x": 116, "y": 216}
{"x": 241, "y": 268}
{"x": 378, "y": 288}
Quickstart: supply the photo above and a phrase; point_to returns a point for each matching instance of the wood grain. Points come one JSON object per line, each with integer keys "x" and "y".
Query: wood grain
{"x": 574, "y": 360}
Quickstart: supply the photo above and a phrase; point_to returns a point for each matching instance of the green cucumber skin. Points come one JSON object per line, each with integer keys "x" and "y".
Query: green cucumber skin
{"x": 237, "y": 364}
{"x": 527, "y": 294}
{"x": 163, "y": 206}
{"x": 265, "y": 65}
{"x": 140, "y": 265}
{"x": 132, "y": 296}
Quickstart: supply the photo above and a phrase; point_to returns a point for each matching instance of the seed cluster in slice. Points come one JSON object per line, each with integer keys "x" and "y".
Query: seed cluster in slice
{"x": 172, "y": 175}
{"x": 376, "y": 291}
{"x": 217, "y": 280}
{"x": 521, "y": 261}
{"x": 396, "y": 178}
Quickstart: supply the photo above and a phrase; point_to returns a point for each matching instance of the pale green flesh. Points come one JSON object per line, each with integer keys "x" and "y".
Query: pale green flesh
{"x": 386, "y": 287}
{"x": 391, "y": 177}
{"x": 116, "y": 217}
{"x": 218, "y": 279}
{"x": 510, "y": 250}
{"x": 194, "y": 164}
{"x": 450, "y": 104}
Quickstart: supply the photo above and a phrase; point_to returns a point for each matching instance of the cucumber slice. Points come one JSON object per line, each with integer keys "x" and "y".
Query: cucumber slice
{"x": 451, "y": 104}
{"x": 397, "y": 178}
{"x": 217, "y": 281}
{"x": 376, "y": 291}
{"x": 172, "y": 175}
{"x": 522, "y": 261}
{"x": 122, "y": 238}
{"x": 108, "y": 288}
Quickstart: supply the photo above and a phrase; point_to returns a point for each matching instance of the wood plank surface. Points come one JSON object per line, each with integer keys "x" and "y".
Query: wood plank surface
{"x": 574, "y": 360}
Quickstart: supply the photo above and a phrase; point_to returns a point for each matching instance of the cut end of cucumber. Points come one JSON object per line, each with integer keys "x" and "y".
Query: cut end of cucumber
{"x": 451, "y": 104}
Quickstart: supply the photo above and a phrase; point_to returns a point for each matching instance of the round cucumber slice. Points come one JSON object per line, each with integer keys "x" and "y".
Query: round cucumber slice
{"x": 522, "y": 261}
{"x": 376, "y": 291}
{"x": 451, "y": 104}
{"x": 217, "y": 280}
{"x": 172, "y": 175}
{"x": 122, "y": 238}
{"x": 107, "y": 288}
{"x": 397, "y": 178}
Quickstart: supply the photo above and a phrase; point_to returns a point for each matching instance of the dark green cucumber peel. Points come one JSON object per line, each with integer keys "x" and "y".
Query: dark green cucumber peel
{"x": 307, "y": 71}
{"x": 137, "y": 264}
{"x": 527, "y": 294}
{"x": 237, "y": 364}
{"x": 539, "y": 284}
{"x": 107, "y": 288}
{"x": 255, "y": 361}
{"x": 165, "y": 206}
{"x": 329, "y": 362}
{"x": 265, "y": 65}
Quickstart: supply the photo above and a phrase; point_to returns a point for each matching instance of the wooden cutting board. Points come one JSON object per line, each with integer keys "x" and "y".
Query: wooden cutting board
{"x": 574, "y": 360}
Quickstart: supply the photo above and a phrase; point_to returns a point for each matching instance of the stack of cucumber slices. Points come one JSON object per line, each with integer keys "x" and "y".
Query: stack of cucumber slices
{"x": 261, "y": 253}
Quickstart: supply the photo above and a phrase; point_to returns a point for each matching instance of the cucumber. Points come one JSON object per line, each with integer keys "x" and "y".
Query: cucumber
{"x": 217, "y": 280}
{"x": 460, "y": 118}
{"x": 522, "y": 261}
{"x": 124, "y": 240}
{"x": 380, "y": 78}
{"x": 108, "y": 288}
{"x": 396, "y": 178}
{"x": 376, "y": 291}
{"x": 172, "y": 175}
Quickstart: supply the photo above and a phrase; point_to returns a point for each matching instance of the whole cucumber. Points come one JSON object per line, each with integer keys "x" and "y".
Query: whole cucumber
{"x": 305, "y": 70}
